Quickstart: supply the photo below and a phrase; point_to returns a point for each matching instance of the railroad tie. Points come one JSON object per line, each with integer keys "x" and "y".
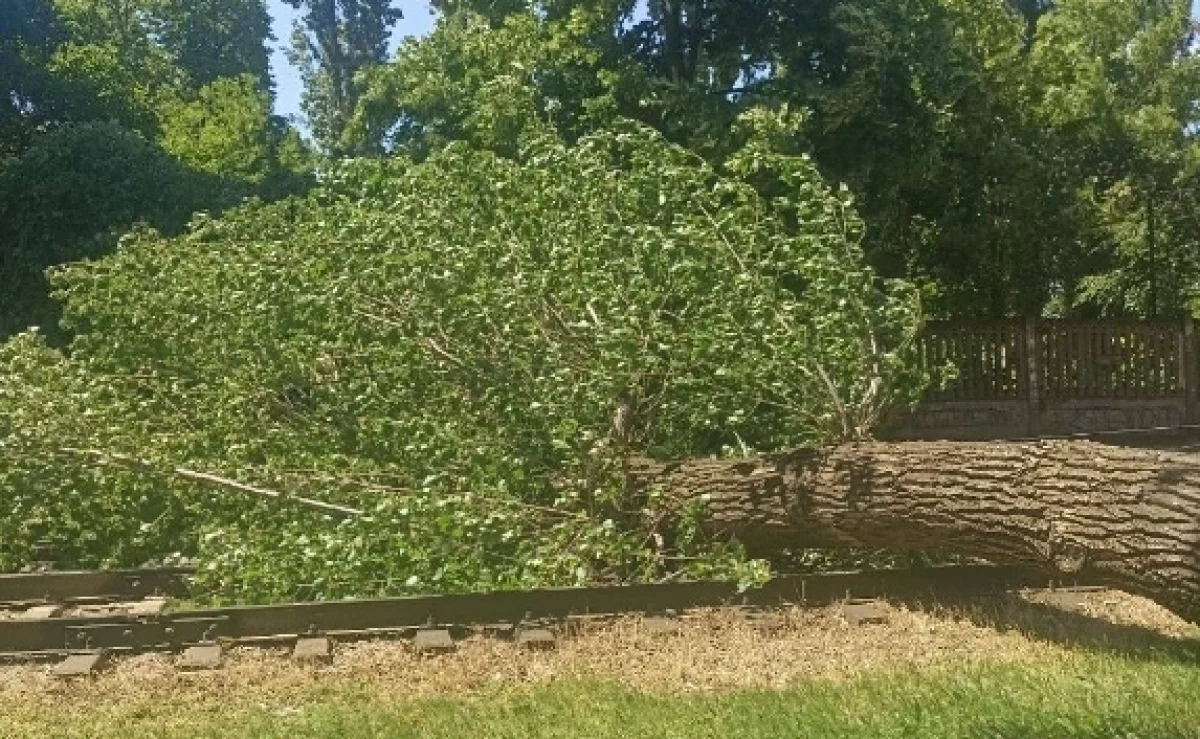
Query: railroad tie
{"x": 201, "y": 657}
{"x": 536, "y": 639}
{"x": 148, "y": 607}
{"x": 81, "y": 664}
{"x": 858, "y": 613}
{"x": 659, "y": 626}
{"x": 432, "y": 641}
{"x": 317, "y": 650}
{"x": 39, "y": 613}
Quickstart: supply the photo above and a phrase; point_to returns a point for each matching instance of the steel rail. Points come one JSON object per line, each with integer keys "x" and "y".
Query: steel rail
{"x": 61, "y": 587}
{"x": 175, "y": 630}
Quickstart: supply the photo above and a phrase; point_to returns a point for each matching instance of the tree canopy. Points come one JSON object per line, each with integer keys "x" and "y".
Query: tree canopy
{"x": 465, "y": 348}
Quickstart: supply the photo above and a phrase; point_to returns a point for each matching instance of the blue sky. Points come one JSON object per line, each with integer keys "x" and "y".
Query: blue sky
{"x": 417, "y": 21}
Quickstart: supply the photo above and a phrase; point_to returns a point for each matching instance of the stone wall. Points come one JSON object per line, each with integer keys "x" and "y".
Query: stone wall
{"x": 980, "y": 420}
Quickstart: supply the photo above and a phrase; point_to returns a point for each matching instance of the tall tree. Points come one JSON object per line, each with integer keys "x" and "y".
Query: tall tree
{"x": 1118, "y": 81}
{"x": 69, "y": 196}
{"x": 228, "y": 131}
{"x": 338, "y": 40}
{"x": 492, "y": 81}
{"x": 29, "y": 30}
{"x": 211, "y": 39}
{"x": 127, "y": 59}
{"x": 106, "y": 120}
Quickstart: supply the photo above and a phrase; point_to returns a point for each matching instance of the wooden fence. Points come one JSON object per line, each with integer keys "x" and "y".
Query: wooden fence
{"x": 1029, "y": 377}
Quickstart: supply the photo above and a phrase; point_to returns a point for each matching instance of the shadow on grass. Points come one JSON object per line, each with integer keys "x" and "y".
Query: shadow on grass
{"x": 1074, "y": 629}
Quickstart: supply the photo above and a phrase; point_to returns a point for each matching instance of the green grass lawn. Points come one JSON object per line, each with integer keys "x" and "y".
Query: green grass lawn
{"x": 1073, "y": 695}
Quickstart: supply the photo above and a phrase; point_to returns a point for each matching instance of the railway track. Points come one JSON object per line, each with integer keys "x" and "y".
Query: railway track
{"x": 81, "y": 619}
{"x": 43, "y": 588}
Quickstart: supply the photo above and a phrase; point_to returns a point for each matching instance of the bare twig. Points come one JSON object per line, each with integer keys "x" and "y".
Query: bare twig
{"x": 377, "y": 317}
{"x": 358, "y": 480}
{"x": 212, "y": 480}
{"x": 591, "y": 309}
{"x": 434, "y": 347}
{"x": 717, "y": 228}
{"x": 227, "y": 484}
{"x": 438, "y": 350}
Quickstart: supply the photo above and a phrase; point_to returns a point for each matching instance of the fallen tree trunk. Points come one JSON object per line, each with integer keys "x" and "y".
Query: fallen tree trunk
{"x": 1129, "y": 518}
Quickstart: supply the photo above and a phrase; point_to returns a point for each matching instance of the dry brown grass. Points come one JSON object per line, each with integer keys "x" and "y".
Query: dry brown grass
{"x": 716, "y": 650}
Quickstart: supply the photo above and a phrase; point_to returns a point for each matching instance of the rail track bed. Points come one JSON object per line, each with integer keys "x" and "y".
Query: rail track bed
{"x": 81, "y": 620}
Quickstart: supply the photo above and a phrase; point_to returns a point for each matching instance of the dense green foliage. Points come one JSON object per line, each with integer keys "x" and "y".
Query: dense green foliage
{"x": 228, "y": 131}
{"x": 1010, "y": 158}
{"x": 28, "y": 33}
{"x": 210, "y": 40}
{"x": 465, "y": 348}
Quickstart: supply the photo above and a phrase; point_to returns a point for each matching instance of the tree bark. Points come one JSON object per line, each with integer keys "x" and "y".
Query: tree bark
{"x": 672, "y": 27}
{"x": 1129, "y": 518}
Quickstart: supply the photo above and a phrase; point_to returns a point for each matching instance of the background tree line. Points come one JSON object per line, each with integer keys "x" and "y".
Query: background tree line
{"x": 117, "y": 112}
{"x": 1020, "y": 157}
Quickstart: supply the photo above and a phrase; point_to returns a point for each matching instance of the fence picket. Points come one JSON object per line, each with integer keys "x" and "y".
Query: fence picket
{"x": 1074, "y": 359}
